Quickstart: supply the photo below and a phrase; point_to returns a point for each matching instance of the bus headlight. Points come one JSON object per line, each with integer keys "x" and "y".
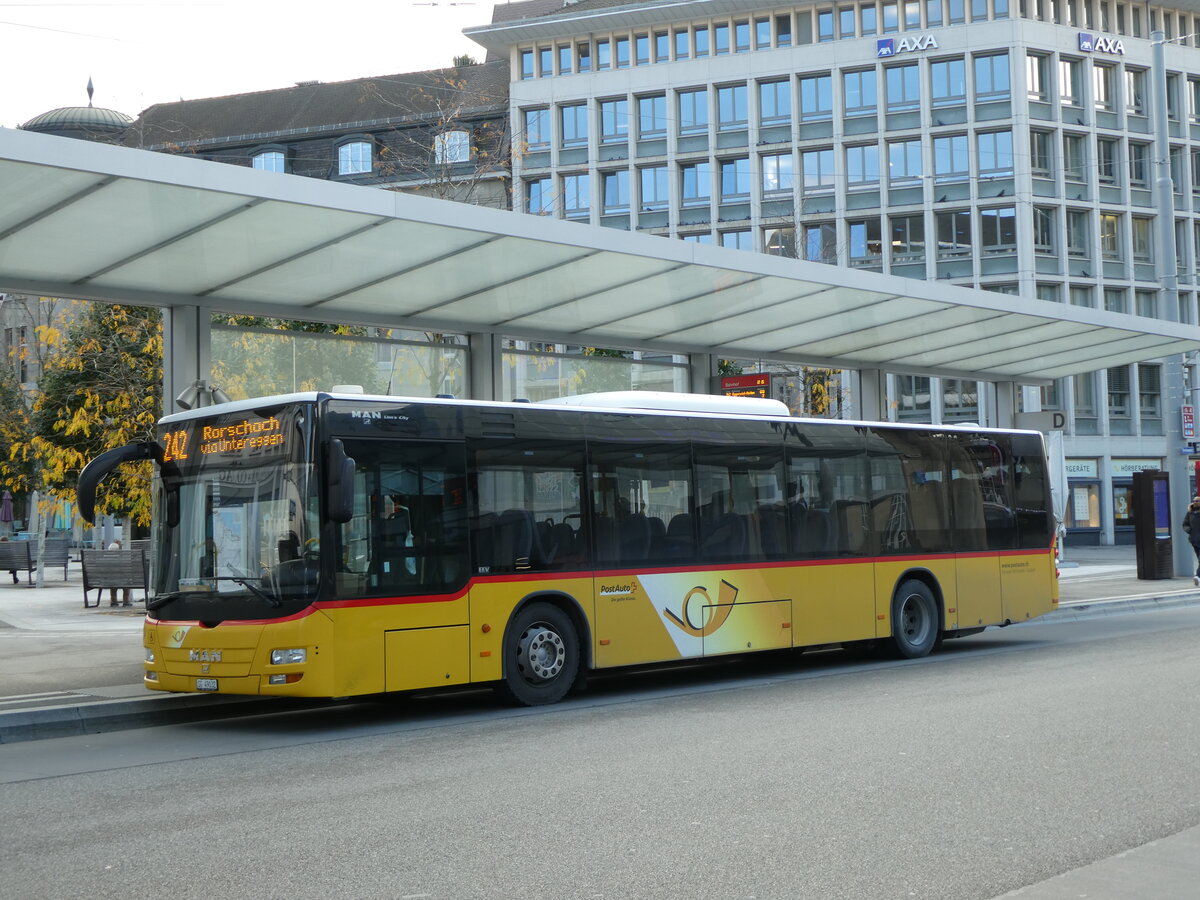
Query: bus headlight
{"x": 284, "y": 657}
{"x": 149, "y": 655}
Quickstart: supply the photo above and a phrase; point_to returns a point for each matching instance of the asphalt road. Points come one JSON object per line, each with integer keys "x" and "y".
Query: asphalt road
{"x": 1003, "y": 760}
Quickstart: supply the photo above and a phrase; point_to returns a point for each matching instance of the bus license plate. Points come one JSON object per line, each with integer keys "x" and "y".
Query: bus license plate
{"x": 206, "y": 684}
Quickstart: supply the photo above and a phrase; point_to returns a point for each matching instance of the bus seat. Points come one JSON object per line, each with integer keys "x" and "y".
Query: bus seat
{"x": 564, "y": 537}
{"x": 658, "y": 536}
{"x": 679, "y": 541}
{"x": 634, "y": 537}
{"x": 813, "y": 534}
{"x": 772, "y": 528}
{"x": 545, "y": 547}
{"x": 604, "y": 529}
{"x": 968, "y": 513}
{"x": 850, "y": 523}
{"x": 725, "y": 537}
{"x": 514, "y": 540}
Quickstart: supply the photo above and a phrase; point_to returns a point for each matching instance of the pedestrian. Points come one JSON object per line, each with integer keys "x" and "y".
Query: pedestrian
{"x": 1191, "y": 524}
{"x": 112, "y": 592}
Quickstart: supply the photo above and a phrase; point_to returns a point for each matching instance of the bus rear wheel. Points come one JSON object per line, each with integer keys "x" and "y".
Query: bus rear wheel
{"x": 541, "y": 656}
{"x": 914, "y": 620}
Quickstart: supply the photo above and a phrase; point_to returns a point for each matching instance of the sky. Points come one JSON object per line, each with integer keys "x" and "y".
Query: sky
{"x": 156, "y": 51}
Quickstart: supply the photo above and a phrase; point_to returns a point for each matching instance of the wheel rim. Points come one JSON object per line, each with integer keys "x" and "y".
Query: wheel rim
{"x": 915, "y": 620}
{"x": 541, "y": 654}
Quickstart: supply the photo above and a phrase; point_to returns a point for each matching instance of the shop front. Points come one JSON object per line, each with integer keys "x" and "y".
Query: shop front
{"x": 1083, "y": 522}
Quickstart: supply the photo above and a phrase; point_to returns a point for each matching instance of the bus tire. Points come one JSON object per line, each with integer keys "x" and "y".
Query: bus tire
{"x": 914, "y": 620}
{"x": 541, "y": 656}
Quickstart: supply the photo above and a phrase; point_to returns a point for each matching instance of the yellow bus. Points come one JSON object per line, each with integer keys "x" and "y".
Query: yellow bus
{"x": 331, "y": 545}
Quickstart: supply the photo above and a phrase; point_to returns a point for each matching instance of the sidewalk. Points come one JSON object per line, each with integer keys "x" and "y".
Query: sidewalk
{"x": 68, "y": 670}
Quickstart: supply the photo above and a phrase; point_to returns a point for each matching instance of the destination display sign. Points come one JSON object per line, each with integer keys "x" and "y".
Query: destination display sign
{"x": 234, "y": 439}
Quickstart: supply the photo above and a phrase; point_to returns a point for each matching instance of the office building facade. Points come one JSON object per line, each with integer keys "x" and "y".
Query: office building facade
{"x": 995, "y": 145}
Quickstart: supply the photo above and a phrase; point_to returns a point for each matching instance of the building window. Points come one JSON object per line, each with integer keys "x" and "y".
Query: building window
{"x": 1135, "y": 92}
{"x": 621, "y": 52}
{"x": 539, "y": 198}
{"x": 735, "y": 178}
{"x": 913, "y": 400}
{"x": 991, "y": 77}
{"x": 662, "y": 46}
{"x": 862, "y": 165}
{"x": 1150, "y": 397}
{"x": 762, "y": 34}
{"x": 820, "y": 243}
{"x": 1080, "y": 295}
{"x": 998, "y": 230}
{"x": 537, "y": 128}
{"x": 269, "y": 161}
{"x": 1146, "y": 304}
{"x": 775, "y": 102}
{"x": 741, "y": 37}
{"x": 614, "y": 120}
{"x": 693, "y": 111}
{"x": 868, "y": 19}
{"x": 960, "y": 399}
{"x": 858, "y": 90}
{"x": 1037, "y": 76}
{"x": 866, "y": 242}
{"x": 907, "y": 237}
{"x": 1074, "y": 157}
{"x": 816, "y": 98}
{"x": 699, "y": 237}
{"x": 526, "y": 65}
{"x": 825, "y": 25}
{"x": 949, "y": 80}
{"x": 1110, "y": 236}
{"x": 682, "y": 43}
{"x": 742, "y": 239}
{"x": 603, "y": 54}
{"x": 1194, "y": 99}
{"x": 451, "y": 147}
{"x": 1118, "y": 400}
{"x": 731, "y": 106}
{"x": 583, "y": 53}
{"x": 654, "y": 188}
{"x": 817, "y": 166}
{"x": 1139, "y": 164}
{"x": 1079, "y": 235}
{"x": 1140, "y": 229}
{"x": 903, "y": 87}
{"x": 846, "y": 22}
{"x": 995, "y": 153}
{"x": 777, "y": 173}
{"x": 720, "y": 39}
{"x": 1051, "y": 293}
{"x": 564, "y": 59}
{"x": 576, "y": 194}
{"x": 1070, "y": 87}
{"x": 1114, "y": 300}
{"x": 1104, "y": 87}
{"x": 641, "y": 46}
{"x": 574, "y": 124}
{"x": 950, "y": 158}
{"x": 1045, "y": 230}
{"x": 953, "y": 234}
{"x": 904, "y": 162}
{"x": 1083, "y": 389}
{"x": 695, "y": 181}
{"x": 545, "y": 62}
{"x": 780, "y": 242}
{"x": 1040, "y": 158}
{"x": 354, "y": 158}
{"x": 1106, "y": 160}
{"x": 891, "y": 19}
{"x": 652, "y": 116}
{"x": 700, "y": 39}
{"x": 616, "y": 191}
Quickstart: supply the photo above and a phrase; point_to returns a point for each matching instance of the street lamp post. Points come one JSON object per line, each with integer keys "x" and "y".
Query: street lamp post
{"x": 1166, "y": 262}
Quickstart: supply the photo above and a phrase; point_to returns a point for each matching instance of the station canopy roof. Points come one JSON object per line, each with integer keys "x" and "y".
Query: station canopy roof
{"x": 98, "y": 222}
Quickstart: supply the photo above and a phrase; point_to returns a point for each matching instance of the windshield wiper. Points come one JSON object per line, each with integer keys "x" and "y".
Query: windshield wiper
{"x": 255, "y": 590}
{"x": 163, "y": 599}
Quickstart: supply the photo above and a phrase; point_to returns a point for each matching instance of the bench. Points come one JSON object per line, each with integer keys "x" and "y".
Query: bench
{"x": 55, "y": 551}
{"x": 114, "y": 570}
{"x": 15, "y": 556}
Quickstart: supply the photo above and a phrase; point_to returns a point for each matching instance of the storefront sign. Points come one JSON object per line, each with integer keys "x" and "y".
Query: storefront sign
{"x": 1123, "y": 468}
{"x": 1189, "y": 422}
{"x": 1098, "y": 43}
{"x": 892, "y": 46}
{"x": 1082, "y": 468}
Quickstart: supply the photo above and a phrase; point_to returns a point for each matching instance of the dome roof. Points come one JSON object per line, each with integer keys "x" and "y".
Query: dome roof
{"x": 88, "y": 122}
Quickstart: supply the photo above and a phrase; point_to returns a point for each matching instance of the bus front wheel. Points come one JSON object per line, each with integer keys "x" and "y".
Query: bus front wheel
{"x": 541, "y": 656}
{"x": 914, "y": 620}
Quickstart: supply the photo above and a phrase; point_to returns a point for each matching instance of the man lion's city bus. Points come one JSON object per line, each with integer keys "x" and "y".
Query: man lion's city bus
{"x": 330, "y": 545}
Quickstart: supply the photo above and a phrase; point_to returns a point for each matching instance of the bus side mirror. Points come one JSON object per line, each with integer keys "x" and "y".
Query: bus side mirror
{"x": 101, "y": 467}
{"x": 341, "y": 483}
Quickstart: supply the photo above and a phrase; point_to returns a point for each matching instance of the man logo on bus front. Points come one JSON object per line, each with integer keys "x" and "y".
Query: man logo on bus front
{"x": 717, "y": 613}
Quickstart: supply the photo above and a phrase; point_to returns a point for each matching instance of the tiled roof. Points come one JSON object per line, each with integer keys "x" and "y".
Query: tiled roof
{"x": 386, "y": 98}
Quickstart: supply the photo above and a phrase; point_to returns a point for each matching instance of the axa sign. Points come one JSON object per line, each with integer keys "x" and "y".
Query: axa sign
{"x": 1098, "y": 43}
{"x": 891, "y": 46}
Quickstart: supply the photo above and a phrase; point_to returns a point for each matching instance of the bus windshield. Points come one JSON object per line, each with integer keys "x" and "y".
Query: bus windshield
{"x": 243, "y": 542}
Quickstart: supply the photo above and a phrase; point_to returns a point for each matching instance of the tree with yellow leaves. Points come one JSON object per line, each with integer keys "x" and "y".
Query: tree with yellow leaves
{"x": 102, "y": 388}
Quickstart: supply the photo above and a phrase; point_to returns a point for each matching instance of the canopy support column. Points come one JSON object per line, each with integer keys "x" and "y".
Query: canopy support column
{"x": 701, "y": 372}
{"x": 1004, "y": 413}
{"x": 868, "y": 395}
{"x": 484, "y": 366}
{"x": 187, "y": 360}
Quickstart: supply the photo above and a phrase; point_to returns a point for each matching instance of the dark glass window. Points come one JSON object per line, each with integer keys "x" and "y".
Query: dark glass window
{"x": 827, "y": 491}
